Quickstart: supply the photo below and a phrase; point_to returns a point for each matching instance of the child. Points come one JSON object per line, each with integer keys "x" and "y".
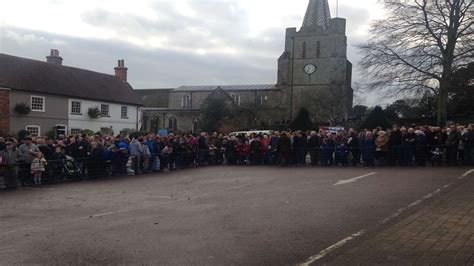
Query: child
{"x": 38, "y": 167}
{"x": 212, "y": 154}
{"x": 342, "y": 153}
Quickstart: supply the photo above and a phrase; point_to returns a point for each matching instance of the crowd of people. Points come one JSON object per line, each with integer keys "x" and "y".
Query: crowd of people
{"x": 33, "y": 159}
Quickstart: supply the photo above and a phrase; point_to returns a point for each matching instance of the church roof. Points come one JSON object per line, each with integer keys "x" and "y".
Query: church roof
{"x": 258, "y": 87}
{"x": 317, "y": 14}
{"x": 24, "y": 74}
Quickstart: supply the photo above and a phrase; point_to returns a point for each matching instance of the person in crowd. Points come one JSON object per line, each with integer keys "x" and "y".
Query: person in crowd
{"x": 452, "y": 145}
{"x": 28, "y": 151}
{"x": 284, "y": 149}
{"x": 231, "y": 150}
{"x": 408, "y": 146}
{"x": 353, "y": 144}
{"x": 152, "y": 148}
{"x": 44, "y": 148}
{"x": 342, "y": 153}
{"x": 255, "y": 150}
{"x": 95, "y": 161}
{"x": 3, "y": 145}
{"x": 136, "y": 152}
{"x": 420, "y": 148}
{"x": 381, "y": 147}
{"x": 266, "y": 149}
{"x": 9, "y": 158}
{"x": 396, "y": 148}
{"x": 368, "y": 149}
{"x": 146, "y": 157}
{"x": 313, "y": 145}
{"x": 468, "y": 139}
{"x": 461, "y": 147}
{"x": 212, "y": 154}
{"x": 38, "y": 167}
{"x": 166, "y": 155}
{"x": 150, "y": 152}
{"x": 202, "y": 148}
{"x": 301, "y": 148}
{"x": 274, "y": 154}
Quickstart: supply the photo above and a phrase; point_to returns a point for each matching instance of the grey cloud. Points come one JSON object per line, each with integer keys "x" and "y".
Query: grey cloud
{"x": 147, "y": 68}
{"x": 255, "y": 62}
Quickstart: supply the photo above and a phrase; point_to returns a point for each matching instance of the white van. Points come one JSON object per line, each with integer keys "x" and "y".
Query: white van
{"x": 248, "y": 133}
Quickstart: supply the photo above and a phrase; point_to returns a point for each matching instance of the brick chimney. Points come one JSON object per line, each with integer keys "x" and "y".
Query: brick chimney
{"x": 121, "y": 70}
{"x": 54, "y": 58}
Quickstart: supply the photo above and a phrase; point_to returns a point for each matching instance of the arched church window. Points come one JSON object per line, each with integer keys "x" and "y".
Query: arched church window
{"x": 318, "y": 49}
{"x": 172, "y": 124}
{"x": 236, "y": 99}
{"x": 304, "y": 50}
{"x": 186, "y": 101}
{"x": 263, "y": 99}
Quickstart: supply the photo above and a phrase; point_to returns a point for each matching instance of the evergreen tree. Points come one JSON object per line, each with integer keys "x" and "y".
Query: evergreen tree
{"x": 375, "y": 119}
{"x": 214, "y": 112}
{"x": 302, "y": 121}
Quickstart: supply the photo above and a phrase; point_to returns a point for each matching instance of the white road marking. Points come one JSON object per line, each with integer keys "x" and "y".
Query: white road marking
{"x": 347, "y": 181}
{"x": 466, "y": 174}
{"x": 341, "y": 243}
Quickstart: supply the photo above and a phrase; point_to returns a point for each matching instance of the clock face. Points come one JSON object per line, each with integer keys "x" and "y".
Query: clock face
{"x": 310, "y": 69}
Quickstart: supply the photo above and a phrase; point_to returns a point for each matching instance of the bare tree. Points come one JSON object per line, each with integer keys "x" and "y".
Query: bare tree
{"x": 419, "y": 46}
{"x": 327, "y": 105}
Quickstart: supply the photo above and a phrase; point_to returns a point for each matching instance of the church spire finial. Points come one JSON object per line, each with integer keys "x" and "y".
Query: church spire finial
{"x": 317, "y": 14}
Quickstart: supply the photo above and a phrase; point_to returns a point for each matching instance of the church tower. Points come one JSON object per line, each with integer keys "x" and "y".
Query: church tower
{"x": 314, "y": 63}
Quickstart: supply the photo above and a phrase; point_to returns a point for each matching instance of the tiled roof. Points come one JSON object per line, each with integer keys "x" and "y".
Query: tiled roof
{"x": 259, "y": 87}
{"x": 35, "y": 76}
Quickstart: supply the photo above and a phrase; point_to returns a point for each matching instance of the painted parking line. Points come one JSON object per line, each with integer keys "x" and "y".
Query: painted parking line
{"x": 328, "y": 250}
{"x": 466, "y": 174}
{"x": 399, "y": 212}
{"x": 348, "y": 181}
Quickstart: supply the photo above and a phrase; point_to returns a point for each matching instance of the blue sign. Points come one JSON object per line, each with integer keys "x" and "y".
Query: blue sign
{"x": 163, "y": 132}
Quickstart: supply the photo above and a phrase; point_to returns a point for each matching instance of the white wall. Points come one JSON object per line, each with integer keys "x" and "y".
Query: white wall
{"x": 83, "y": 121}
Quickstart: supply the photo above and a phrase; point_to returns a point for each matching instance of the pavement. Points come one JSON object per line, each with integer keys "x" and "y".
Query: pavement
{"x": 440, "y": 233}
{"x": 227, "y": 215}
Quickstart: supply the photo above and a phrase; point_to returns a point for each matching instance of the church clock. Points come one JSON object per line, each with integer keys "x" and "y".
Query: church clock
{"x": 310, "y": 69}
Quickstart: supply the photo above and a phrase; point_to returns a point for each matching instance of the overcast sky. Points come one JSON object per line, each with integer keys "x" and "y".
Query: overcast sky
{"x": 170, "y": 43}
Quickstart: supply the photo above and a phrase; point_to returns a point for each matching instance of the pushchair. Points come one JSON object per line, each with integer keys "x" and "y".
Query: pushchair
{"x": 71, "y": 169}
{"x": 436, "y": 157}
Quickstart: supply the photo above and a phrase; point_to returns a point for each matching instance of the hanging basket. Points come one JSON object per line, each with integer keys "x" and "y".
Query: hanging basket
{"x": 22, "y": 108}
{"x": 94, "y": 112}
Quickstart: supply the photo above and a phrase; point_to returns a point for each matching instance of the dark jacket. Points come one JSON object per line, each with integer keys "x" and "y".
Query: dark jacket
{"x": 313, "y": 143}
{"x": 284, "y": 144}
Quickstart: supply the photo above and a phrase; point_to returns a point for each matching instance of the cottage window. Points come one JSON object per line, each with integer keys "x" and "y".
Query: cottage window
{"x": 124, "y": 112}
{"x": 104, "y": 110}
{"x": 33, "y": 130}
{"x": 76, "y": 107}
{"x": 37, "y": 103}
